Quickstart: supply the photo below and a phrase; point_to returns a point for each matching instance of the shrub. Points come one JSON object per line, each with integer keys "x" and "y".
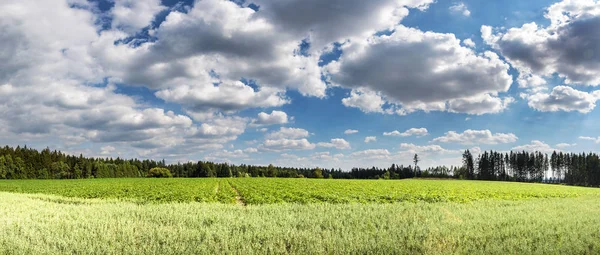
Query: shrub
{"x": 159, "y": 172}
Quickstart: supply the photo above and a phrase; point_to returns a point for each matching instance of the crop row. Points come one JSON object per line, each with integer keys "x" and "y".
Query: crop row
{"x": 254, "y": 191}
{"x": 268, "y": 191}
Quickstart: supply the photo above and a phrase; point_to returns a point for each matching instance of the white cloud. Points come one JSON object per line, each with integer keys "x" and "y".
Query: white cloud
{"x": 288, "y": 133}
{"x": 567, "y": 48}
{"x": 412, "y": 148}
{"x": 350, "y": 131}
{"x": 336, "y": 20}
{"x": 460, "y": 8}
{"x": 326, "y": 156}
{"x": 476, "y": 137}
{"x": 276, "y": 117}
{"x": 107, "y": 150}
{"x": 403, "y": 68}
{"x": 563, "y": 98}
{"x": 284, "y": 144}
{"x": 369, "y": 139}
{"x": 227, "y": 96}
{"x": 587, "y": 138}
{"x": 418, "y": 132}
{"x": 480, "y": 105}
{"x": 469, "y": 43}
{"x": 365, "y": 100}
{"x": 565, "y": 145}
{"x": 225, "y": 155}
{"x": 372, "y": 154}
{"x": 250, "y": 150}
{"x": 133, "y": 15}
{"x": 337, "y": 143}
{"x": 535, "y": 145}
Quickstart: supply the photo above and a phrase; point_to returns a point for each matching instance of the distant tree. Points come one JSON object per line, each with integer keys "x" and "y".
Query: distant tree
{"x": 60, "y": 170}
{"x": 271, "y": 172}
{"x": 416, "y": 161}
{"x": 318, "y": 173}
{"x": 468, "y": 164}
{"x": 159, "y": 172}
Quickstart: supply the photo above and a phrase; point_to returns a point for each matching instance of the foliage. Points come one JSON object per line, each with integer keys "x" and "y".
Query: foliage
{"x": 159, "y": 172}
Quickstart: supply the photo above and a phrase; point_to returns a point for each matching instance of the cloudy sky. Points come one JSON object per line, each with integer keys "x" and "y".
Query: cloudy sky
{"x": 334, "y": 83}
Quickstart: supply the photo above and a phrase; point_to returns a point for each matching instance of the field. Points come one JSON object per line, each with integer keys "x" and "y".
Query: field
{"x": 297, "y": 216}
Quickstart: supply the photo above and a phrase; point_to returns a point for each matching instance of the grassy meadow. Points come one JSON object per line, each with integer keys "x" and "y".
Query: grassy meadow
{"x": 296, "y": 216}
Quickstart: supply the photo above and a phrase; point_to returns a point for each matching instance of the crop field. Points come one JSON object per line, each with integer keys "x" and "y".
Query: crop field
{"x": 135, "y": 190}
{"x": 296, "y": 216}
{"x": 256, "y": 191}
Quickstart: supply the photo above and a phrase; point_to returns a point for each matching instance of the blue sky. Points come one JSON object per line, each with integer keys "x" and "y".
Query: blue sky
{"x": 281, "y": 82}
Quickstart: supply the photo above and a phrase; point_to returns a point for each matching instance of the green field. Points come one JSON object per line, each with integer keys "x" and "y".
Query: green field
{"x": 298, "y": 216}
{"x": 255, "y": 191}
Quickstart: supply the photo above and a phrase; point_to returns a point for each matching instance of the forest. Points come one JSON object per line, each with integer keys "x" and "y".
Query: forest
{"x": 559, "y": 167}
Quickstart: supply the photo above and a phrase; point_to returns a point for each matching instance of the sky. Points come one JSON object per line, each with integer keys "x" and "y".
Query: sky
{"x": 303, "y": 83}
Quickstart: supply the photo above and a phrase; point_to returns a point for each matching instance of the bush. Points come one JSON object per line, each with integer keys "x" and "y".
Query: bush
{"x": 159, "y": 172}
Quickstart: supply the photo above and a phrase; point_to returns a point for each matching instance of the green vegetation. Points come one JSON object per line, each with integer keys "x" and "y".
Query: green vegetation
{"x": 297, "y": 216}
{"x": 568, "y": 168}
{"x": 140, "y": 190}
{"x": 42, "y": 224}
{"x": 268, "y": 191}
{"x": 159, "y": 172}
{"x": 274, "y": 190}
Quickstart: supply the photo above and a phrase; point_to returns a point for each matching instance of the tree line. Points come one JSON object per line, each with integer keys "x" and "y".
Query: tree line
{"x": 570, "y": 168}
{"x": 582, "y": 169}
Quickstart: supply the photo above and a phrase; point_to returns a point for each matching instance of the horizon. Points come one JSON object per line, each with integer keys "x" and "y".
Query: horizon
{"x": 346, "y": 84}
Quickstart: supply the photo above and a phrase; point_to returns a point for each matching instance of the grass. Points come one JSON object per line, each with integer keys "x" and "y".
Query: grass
{"x": 296, "y": 216}
{"x": 304, "y": 191}
{"x": 42, "y": 224}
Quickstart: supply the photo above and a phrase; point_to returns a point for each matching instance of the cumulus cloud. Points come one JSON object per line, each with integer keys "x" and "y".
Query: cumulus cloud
{"x": 326, "y": 156}
{"x": 372, "y": 154}
{"x": 460, "y": 8}
{"x": 535, "y": 145}
{"x": 587, "y": 138}
{"x": 107, "y": 150}
{"x": 565, "y": 145}
{"x": 133, "y": 15}
{"x": 226, "y": 96}
{"x": 369, "y": 139}
{"x": 469, "y": 43}
{"x": 480, "y": 105}
{"x": 568, "y": 47}
{"x": 365, "y": 100}
{"x": 563, "y": 98}
{"x": 276, "y": 117}
{"x": 289, "y": 133}
{"x": 350, "y": 131}
{"x": 286, "y": 144}
{"x": 418, "y": 132}
{"x": 412, "y": 148}
{"x": 225, "y": 155}
{"x": 286, "y": 139}
{"x": 336, "y": 20}
{"x": 476, "y": 137}
{"x": 337, "y": 143}
{"x": 417, "y": 70}
{"x": 60, "y": 74}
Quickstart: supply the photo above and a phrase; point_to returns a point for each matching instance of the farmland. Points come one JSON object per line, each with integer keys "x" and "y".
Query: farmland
{"x": 297, "y": 216}
{"x": 258, "y": 191}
